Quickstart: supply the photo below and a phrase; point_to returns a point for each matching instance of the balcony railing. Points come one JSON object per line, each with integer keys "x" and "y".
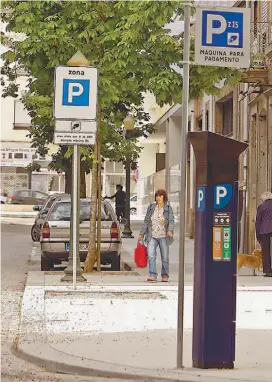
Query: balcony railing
{"x": 260, "y": 39}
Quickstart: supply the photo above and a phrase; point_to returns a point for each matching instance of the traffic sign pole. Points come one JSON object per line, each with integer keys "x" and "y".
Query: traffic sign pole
{"x": 75, "y": 210}
{"x": 73, "y": 271}
{"x": 182, "y": 200}
{"x": 99, "y": 138}
{"x": 75, "y": 113}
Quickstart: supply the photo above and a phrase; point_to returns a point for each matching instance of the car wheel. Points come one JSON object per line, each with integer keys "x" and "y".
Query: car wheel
{"x": 34, "y": 234}
{"x": 46, "y": 264}
{"x": 133, "y": 211}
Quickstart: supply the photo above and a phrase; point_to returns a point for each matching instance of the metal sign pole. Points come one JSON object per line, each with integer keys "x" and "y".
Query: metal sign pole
{"x": 182, "y": 200}
{"x": 99, "y": 141}
{"x": 75, "y": 85}
{"x": 75, "y": 210}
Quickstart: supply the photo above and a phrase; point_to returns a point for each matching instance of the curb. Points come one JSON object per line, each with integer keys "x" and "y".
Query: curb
{"x": 18, "y": 214}
{"x": 56, "y": 361}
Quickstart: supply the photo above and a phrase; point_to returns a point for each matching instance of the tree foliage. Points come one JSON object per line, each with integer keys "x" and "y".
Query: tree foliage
{"x": 126, "y": 40}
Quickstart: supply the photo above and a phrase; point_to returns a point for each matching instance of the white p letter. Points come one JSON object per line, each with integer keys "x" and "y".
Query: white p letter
{"x": 211, "y": 30}
{"x": 74, "y": 93}
{"x": 200, "y": 198}
{"x": 221, "y": 192}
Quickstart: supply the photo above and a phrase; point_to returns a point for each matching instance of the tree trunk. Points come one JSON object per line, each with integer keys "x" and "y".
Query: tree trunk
{"x": 91, "y": 256}
{"x": 68, "y": 182}
{"x": 82, "y": 179}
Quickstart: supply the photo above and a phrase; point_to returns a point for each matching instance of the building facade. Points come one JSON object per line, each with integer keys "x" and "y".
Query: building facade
{"x": 16, "y": 151}
{"x": 242, "y": 112}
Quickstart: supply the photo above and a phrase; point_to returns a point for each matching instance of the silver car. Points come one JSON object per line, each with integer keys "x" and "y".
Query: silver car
{"x": 42, "y": 212}
{"x": 55, "y": 234}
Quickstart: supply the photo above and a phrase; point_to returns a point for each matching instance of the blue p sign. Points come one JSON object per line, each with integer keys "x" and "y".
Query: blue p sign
{"x": 222, "y": 29}
{"x": 222, "y": 195}
{"x": 200, "y": 199}
{"x": 76, "y": 92}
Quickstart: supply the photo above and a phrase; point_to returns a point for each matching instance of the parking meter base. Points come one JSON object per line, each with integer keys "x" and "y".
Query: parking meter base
{"x": 213, "y": 365}
{"x": 216, "y": 220}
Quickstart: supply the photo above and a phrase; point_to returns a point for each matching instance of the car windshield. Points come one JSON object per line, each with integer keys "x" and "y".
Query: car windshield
{"x": 62, "y": 212}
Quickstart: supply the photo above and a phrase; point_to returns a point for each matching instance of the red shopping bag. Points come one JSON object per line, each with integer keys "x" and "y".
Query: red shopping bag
{"x": 140, "y": 255}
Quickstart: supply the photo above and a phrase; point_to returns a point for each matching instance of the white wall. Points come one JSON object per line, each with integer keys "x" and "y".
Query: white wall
{"x": 162, "y": 147}
{"x": 8, "y": 117}
{"x": 174, "y": 141}
{"x": 151, "y": 107}
{"x": 215, "y": 3}
{"x": 147, "y": 160}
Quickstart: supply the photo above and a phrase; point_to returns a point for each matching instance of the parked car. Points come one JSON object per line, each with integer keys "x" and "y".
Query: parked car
{"x": 133, "y": 205}
{"x": 28, "y": 197}
{"x": 42, "y": 212}
{"x": 55, "y": 234}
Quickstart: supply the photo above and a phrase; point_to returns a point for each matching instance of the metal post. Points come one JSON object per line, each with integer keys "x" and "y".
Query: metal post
{"x": 73, "y": 271}
{"x": 29, "y": 179}
{"x": 75, "y": 211}
{"x": 182, "y": 200}
{"x": 127, "y": 233}
{"x": 59, "y": 176}
{"x": 99, "y": 138}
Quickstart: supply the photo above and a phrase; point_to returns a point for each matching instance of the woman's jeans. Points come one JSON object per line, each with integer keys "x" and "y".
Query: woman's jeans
{"x": 152, "y": 252}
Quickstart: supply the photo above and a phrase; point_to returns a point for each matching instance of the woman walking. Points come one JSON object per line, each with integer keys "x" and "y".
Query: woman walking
{"x": 157, "y": 231}
{"x": 264, "y": 231}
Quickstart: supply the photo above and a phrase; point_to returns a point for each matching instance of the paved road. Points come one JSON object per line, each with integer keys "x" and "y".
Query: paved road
{"x": 16, "y": 247}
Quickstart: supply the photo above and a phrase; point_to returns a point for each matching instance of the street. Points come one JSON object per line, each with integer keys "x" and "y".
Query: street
{"x": 16, "y": 247}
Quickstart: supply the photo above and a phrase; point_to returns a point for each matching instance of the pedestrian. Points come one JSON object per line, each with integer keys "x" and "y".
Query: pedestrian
{"x": 264, "y": 231}
{"x": 157, "y": 231}
{"x": 120, "y": 201}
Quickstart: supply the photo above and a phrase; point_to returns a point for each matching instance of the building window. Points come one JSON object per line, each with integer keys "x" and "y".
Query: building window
{"x": 118, "y": 168}
{"x": 227, "y": 117}
{"x": 199, "y": 124}
{"x": 18, "y": 156}
{"x": 255, "y": 11}
{"x": 207, "y": 120}
{"x": 21, "y": 117}
{"x": 109, "y": 167}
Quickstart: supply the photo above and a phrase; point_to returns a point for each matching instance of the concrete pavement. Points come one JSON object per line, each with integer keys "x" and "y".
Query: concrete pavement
{"x": 156, "y": 350}
{"x": 119, "y": 326}
{"x": 116, "y": 325}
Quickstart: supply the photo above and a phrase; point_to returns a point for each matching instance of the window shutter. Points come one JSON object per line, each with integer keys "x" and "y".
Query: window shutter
{"x": 264, "y": 13}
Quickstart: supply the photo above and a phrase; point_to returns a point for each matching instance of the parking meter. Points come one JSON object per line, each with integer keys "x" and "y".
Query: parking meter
{"x": 215, "y": 252}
